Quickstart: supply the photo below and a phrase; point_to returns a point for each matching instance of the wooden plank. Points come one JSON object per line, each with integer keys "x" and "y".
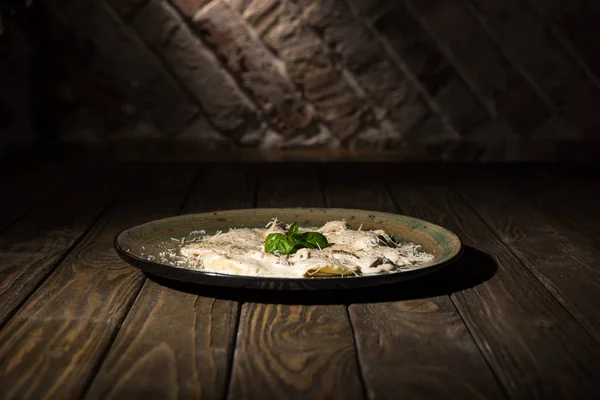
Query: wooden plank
{"x": 572, "y": 199}
{"x": 571, "y": 196}
{"x": 31, "y": 248}
{"x": 571, "y": 203}
{"x": 568, "y": 194}
{"x": 557, "y": 255}
{"x": 293, "y": 351}
{"x": 174, "y": 342}
{"x": 535, "y": 347}
{"x": 52, "y": 346}
{"x": 418, "y": 343}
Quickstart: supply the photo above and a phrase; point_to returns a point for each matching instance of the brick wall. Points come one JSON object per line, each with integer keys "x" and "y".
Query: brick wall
{"x": 452, "y": 79}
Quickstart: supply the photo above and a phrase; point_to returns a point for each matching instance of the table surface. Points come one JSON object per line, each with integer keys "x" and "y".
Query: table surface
{"x": 517, "y": 316}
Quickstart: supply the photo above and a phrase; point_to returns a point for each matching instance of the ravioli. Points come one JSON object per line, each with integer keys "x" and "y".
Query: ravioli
{"x": 350, "y": 253}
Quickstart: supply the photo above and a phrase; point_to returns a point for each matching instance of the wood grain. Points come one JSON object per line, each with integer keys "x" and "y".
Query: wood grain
{"x": 535, "y": 347}
{"x": 31, "y": 248}
{"x": 555, "y": 254}
{"x": 294, "y": 351}
{"x": 571, "y": 196}
{"x": 52, "y": 346}
{"x": 175, "y": 344}
{"x": 420, "y": 344}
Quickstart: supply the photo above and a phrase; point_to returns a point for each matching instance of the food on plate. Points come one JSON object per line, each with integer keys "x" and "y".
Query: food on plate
{"x": 290, "y": 251}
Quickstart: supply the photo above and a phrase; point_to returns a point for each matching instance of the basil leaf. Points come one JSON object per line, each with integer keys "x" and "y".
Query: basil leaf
{"x": 316, "y": 239}
{"x": 297, "y": 246}
{"x": 293, "y": 229}
{"x": 306, "y": 244}
{"x": 271, "y": 241}
{"x": 278, "y": 243}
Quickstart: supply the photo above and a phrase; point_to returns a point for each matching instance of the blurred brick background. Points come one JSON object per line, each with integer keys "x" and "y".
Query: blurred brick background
{"x": 489, "y": 80}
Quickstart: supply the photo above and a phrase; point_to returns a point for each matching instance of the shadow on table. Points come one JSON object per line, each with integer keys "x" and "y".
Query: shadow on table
{"x": 473, "y": 268}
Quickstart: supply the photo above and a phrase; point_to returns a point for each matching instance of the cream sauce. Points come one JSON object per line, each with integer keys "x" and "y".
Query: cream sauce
{"x": 350, "y": 252}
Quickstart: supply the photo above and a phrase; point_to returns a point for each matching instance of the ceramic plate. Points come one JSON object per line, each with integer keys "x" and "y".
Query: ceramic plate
{"x": 144, "y": 245}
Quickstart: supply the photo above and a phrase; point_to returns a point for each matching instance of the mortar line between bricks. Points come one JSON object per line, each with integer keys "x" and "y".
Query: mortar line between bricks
{"x": 344, "y": 73}
{"x": 352, "y": 77}
{"x": 274, "y": 55}
{"x": 566, "y": 44}
{"x": 165, "y": 69}
{"x": 570, "y": 50}
{"x": 117, "y": 19}
{"x": 175, "y": 77}
{"x": 397, "y": 60}
{"x": 128, "y": 17}
{"x": 447, "y": 52}
{"x": 273, "y": 59}
{"x": 337, "y": 71}
{"x": 508, "y": 55}
{"x": 262, "y": 119}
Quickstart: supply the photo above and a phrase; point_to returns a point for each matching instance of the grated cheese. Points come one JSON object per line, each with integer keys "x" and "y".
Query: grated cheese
{"x": 240, "y": 251}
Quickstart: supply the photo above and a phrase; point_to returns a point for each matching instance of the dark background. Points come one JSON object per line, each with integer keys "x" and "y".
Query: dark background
{"x": 442, "y": 80}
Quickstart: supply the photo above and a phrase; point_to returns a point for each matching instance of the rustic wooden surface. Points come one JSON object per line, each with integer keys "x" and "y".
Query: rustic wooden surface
{"x": 294, "y": 351}
{"x": 516, "y": 317}
{"x": 400, "y": 342}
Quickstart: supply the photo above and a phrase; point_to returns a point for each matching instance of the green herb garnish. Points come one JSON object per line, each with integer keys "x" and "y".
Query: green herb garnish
{"x": 278, "y": 243}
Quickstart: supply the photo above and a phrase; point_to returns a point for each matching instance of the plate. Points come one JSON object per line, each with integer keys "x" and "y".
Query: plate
{"x": 144, "y": 246}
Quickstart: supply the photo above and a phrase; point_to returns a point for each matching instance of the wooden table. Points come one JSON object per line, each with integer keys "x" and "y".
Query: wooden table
{"x": 517, "y": 317}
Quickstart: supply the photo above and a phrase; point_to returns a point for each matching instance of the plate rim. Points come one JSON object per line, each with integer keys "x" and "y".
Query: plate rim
{"x": 146, "y": 265}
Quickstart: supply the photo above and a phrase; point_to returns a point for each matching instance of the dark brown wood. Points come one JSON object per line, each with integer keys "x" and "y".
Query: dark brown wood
{"x": 519, "y": 305}
{"x": 535, "y": 347}
{"x": 572, "y": 197}
{"x": 418, "y": 343}
{"x": 573, "y": 200}
{"x": 175, "y": 343}
{"x": 554, "y": 253}
{"x": 52, "y": 346}
{"x": 294, "y": 351}
{"x": 31, "y": 248}
{"x": 172, "y": 345}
